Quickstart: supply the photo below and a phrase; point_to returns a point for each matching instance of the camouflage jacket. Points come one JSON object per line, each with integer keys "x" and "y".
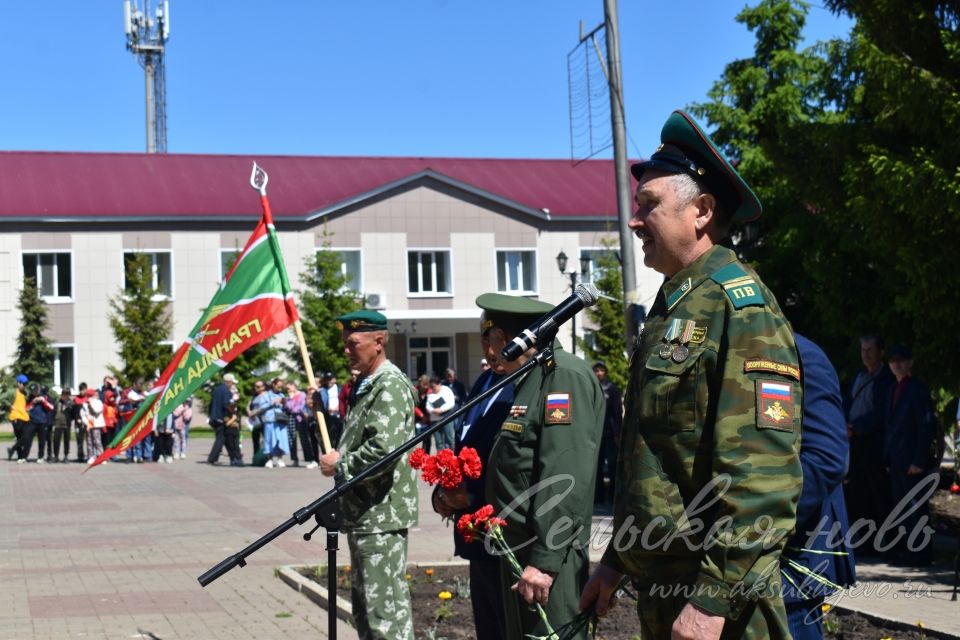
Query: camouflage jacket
{"x": 725, "y": 408}
{"x": 550, "y": 436}
{"x": 380, "y": 420}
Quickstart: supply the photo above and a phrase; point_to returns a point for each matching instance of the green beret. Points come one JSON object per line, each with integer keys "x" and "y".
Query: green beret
{"x": 363, "y": 320}
{"x": 511, "y": 313}
{"x": 687, "y": 149}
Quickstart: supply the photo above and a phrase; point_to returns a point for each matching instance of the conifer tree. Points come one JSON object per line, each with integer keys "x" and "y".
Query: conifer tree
{"x": 140, "y": 323}
{"x": 35, "y": 352}
{"x": 324, "y": 297}
{"x": 607, "y": 315}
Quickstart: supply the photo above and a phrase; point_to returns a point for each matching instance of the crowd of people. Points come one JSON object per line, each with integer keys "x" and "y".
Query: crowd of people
{"x": 89, "y": 418}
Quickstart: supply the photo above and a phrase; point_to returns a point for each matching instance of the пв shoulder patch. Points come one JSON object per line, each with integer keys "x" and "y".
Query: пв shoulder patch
{"x": 739, "y": 285}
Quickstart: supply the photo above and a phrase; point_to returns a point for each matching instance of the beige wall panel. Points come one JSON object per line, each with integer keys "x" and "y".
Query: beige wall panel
{"x": 196, "y": 271}
{"x": 46, "y": 241}
{"x": 11, "y": 271}
{"x": 98, "y": 276}
{"x": 60, "y": 317}
{"x": 133, "y": 240}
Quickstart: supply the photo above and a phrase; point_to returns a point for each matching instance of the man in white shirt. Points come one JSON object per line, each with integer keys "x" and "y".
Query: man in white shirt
{"x": 440, "y": 400}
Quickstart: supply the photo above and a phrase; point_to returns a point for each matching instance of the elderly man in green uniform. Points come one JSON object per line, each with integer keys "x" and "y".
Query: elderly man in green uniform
{"x": 542, "y": 470}
{"x": 378, "y": 512}
{"x": 708, "y": 475}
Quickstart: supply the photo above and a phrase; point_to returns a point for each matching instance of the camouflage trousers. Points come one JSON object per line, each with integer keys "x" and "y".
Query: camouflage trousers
{"x": 763, "y": 619}
{"x": 379, "y": 594}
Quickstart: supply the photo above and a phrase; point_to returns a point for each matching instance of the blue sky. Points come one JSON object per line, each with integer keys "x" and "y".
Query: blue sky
{"x": 395, "y": 78}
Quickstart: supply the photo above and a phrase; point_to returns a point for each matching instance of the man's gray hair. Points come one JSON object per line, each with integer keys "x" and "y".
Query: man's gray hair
{"x": 685, "y": 187}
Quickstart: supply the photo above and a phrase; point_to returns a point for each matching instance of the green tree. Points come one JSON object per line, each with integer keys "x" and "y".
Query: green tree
{"x": 140, "y": 323}
{"x": 35, "y": 352}
{"x": 849, "y": 146}
{"x": 324, "y": 298}
{"x": 607, "y": 316}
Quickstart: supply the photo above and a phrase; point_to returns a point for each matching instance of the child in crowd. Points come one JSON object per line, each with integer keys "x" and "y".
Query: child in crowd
{"x": 182, "y": 416}
{"x": 231, "y": 425}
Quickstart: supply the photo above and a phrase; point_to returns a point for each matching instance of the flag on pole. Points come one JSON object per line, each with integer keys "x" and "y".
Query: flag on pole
{"x": 253, "y": 302}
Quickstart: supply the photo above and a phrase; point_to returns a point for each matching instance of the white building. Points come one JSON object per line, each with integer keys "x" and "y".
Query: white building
{"x": 421, "y": 237}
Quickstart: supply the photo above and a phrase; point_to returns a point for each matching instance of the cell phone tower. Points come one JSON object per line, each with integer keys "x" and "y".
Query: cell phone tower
{"x": 146, "y": 37}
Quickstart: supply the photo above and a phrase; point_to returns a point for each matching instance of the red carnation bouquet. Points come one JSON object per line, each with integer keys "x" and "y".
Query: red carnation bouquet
{"x": 447, "y": 468}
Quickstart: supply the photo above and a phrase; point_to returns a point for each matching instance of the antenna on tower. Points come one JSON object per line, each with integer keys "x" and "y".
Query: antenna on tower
{"x": 146, "y": 36}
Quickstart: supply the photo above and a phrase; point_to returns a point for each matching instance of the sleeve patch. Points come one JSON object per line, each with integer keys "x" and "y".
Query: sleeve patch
{"x": 558, "y": 409}
{"x": 512, "y": 427}
{"x": 775, "y": 405}
{"x": 743, "y": 292}
{"x": 772, "y": 366}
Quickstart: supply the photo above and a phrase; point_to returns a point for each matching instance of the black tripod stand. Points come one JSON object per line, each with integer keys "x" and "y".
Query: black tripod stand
{"x": 326, "y": 510}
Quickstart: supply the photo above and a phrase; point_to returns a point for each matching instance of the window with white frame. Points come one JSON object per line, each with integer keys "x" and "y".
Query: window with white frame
{"x": 517, "y": 271}
{"x": 227, "y": 258}
{"x": 51, "y": 272}
{"x": 64, "y": 366}
{"x": 595, "y": 257}
{"x": 350, "y": 268}
{"x": 161, "y": 269}
{"x": 429, "y": 272}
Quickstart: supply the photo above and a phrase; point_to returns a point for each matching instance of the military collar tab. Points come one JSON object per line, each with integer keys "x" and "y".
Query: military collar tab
{"x": 674, "y": 298}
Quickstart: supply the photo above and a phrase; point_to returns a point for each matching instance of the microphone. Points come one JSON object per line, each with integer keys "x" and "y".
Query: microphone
{"x": 584, "y": 295}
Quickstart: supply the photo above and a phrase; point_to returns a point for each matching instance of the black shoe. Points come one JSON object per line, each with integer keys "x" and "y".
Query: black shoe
{"x": 9, "y": 453}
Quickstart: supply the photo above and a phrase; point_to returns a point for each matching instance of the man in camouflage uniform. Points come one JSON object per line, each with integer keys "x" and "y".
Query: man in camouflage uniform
{"x": 708, "y": 476}
{"x": 378, "y": 512}
{"x": 541, "y": 471}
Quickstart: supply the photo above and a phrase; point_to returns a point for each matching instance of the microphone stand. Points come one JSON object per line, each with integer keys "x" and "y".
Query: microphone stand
{"x": 326, "y": 511}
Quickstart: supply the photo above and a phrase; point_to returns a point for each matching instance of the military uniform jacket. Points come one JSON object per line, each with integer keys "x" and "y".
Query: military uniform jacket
{"x": 380, "y": 420}
{"x": 727, "y": 410}
{"x": 550, "y": 438}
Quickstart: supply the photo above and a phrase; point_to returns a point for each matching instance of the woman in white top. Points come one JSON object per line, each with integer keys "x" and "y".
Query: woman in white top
{"x": 440, "y": 400}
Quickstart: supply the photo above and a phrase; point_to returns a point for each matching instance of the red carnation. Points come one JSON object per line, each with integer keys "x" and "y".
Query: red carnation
{"x": 431, "y": 470}
{"x": 465, "y": 528}
{"x": 482, "y": 514}
{"x": 495, "y": 522}
{"x": 449, "y": 466}
{"x": 470, "y": 463}
{"x": 417, "y": 458}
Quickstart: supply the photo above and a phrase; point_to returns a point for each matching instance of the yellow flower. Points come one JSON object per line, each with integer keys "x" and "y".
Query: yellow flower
{"x": 429, "y": 572}
{"x": 346, "y": 569}
{"x": 920, "y": 624}
{"x": 408, "y": 577}
{"x": 444, "y": 595}
{"x": 824, "y": 608}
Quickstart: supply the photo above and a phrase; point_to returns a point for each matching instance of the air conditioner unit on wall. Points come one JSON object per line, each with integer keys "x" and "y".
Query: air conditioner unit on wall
{"x": 376, "y": 301}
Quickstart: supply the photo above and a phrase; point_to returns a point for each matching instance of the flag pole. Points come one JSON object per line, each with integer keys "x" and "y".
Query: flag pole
{"x": 258, "y": 180}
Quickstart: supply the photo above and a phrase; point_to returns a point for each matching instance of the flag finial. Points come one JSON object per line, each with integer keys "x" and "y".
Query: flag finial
{"x": 258, "y": 179}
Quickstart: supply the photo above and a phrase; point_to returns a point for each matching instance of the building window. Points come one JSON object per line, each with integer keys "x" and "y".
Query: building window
{"x": 429, "y": 272}
{"x": 51, "y": 272}
{"x": 431, "y": 356}
{"x": 227, "y": 258}
{"x": 64, "y": 367}
{"x": 161, "y": 269}
{"x": 517, "y": 271}
{"x": 350, "y": 268}
{"x": 595, "y": 257}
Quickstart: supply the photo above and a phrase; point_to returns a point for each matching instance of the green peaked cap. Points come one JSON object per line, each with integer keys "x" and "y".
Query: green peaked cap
{"x": 363, "y": 320}
{"x": 511, "y": 313}
{"x": 685, "y": 148}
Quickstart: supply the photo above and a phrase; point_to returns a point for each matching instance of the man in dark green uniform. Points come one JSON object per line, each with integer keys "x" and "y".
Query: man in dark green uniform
{"x": 542, "y": 470}
{"x": 708, "y": 475}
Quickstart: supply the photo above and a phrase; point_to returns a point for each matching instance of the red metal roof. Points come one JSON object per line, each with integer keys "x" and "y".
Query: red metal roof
{"x": 66, "y": 185}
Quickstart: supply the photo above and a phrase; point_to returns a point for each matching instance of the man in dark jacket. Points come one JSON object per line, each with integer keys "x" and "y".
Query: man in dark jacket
{"x": 867, "y": 488}
{"x": 612, "y": 423}
{"x": 910, "y": 432}
{"x": 219, "y": 401}
{"x": 818, "y": 560}
{"x": 478, "y": 429}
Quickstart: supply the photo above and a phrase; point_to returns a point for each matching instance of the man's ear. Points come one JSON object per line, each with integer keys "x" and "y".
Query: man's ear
{"x": 706, "y": 210}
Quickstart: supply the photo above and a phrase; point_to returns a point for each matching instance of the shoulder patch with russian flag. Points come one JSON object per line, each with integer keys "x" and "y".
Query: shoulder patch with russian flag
{"x": 775, "y": 404}
{"x": 558, "y": 409}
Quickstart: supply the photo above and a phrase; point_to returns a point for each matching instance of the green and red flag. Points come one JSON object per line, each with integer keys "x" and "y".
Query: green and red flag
{"x": 253, "y": 302}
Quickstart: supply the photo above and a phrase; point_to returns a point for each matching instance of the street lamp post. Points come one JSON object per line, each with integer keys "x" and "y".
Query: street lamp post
{"x": 584, "y": 269}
